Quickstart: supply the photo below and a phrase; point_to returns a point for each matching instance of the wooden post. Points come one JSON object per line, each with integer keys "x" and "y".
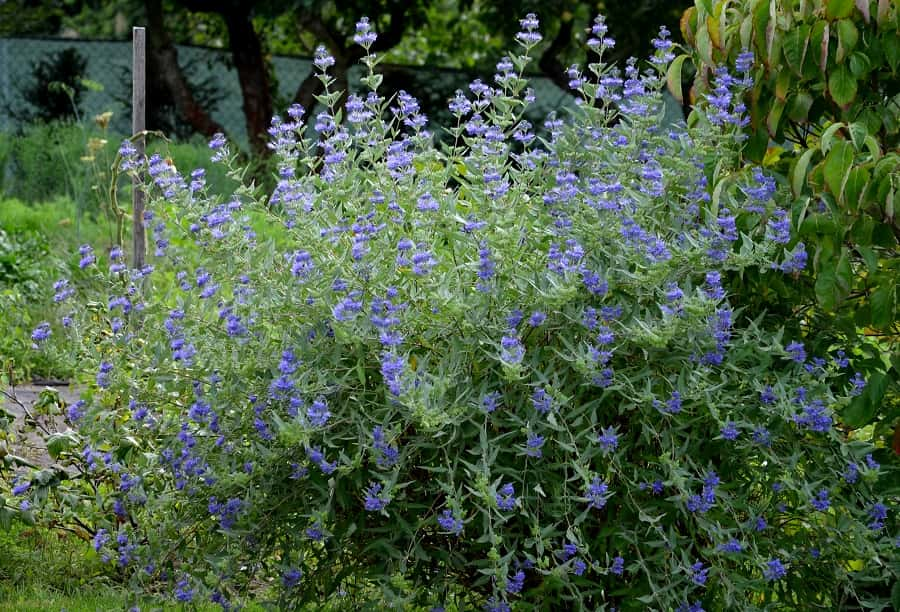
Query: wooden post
{"x": 138, "y": 125}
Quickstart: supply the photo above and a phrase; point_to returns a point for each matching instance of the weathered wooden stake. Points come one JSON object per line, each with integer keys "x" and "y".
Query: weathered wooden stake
{"x": 138, "y": 125}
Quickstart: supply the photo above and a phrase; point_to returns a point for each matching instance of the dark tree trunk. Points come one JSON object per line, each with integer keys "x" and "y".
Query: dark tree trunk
{"x": 253, "y": 74}
{"x": 165, "y": 78}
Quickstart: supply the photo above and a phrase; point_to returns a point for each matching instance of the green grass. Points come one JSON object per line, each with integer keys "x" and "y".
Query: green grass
{"x": 37, "y": 599}
{"x": 42, "y": 571}
{"x": 59, "y": 222}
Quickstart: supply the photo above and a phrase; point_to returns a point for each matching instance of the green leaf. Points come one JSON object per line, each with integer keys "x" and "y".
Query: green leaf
{"x": 704, "y": 45}
{"x": 860, "y": 65}
{"x": 837, "y": 167}
{"x": 774, "y": 117}
{"x": 818, "y": 224}
{"x": 800, "y": 170}
{"x": 833, "y": 282}
{"x": 798, "y": 108}
{"x": 826, "y": 288}
{"x": 673, "y": 78}
{"x": 838, "y": 9}
{"x": 828, "y": 136}
{"x": 869, "y": 256}
{"x": 794, "y": 47}
{"x": 858, "y": 134}
{"x": 890, "y": 44}
{"x": 842, "y": 86}
{"x": 863, "y": 407}
{"x": 848, "y": 36}
{"x": 60, "y": 442}
{"x": 855, "y": 188}
{"x": 883, "y": 304}
{"x": 861, "y": 232}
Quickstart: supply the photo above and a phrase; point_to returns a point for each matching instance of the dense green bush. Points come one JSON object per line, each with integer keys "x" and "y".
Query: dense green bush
{"x": 502, "y": 373}
{"x": 824, "y": 116}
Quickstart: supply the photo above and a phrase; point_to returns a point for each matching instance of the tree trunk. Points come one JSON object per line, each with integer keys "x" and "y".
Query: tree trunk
{"x": 165, "y": 79}
{"x": 253, "y": 75}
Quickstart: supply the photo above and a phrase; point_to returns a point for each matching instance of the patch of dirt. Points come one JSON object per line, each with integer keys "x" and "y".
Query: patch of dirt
{"x": 29, "y": 428}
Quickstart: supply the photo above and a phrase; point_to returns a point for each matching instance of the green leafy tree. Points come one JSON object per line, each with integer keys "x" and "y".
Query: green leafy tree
{"x": 825, "y": 117}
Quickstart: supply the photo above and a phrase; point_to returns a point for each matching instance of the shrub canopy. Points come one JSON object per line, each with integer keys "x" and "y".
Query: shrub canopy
{"x": 502, "y": 373}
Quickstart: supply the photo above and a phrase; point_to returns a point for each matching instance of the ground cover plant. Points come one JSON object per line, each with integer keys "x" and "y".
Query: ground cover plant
{"x": 503, "y": 373}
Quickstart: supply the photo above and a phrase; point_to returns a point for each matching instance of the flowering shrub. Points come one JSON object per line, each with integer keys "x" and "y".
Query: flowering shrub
{"x": 502, "y": 373}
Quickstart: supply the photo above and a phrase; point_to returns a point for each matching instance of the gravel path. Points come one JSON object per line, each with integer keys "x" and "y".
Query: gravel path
{"x": 29, "y": 443}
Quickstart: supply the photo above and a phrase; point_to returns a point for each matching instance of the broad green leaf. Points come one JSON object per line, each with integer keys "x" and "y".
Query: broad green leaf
{"x": 869, "y": 257}
{"x": 783, "y": 83}
{"x": 704, "y": 45}
{"x": 861, "y": 231}
{"x": 860, "y": 65}
{"x": 673, "y": 78}
{"x": 794, "y": 47}
{"x": 798, "y": 174}
{"x": 827, "y": 292}
{"x": 855, "y": 188}
{"x": 890, "y": 44}
{"x": 828, "y": 136}
{"x": 844, "y": 274}
{"x": 774, "y": 117}
{"x": 837, "y": 167}
{"x": 864, "y": 407}
{"x": 858, "y": 134}
{"x": 883, "y": 303}
{"x": 818, "y": 37}
{"x": 838, "y": 9}
{"x": 842, "y": 86}
{"x": 799, "y": 105}
{"x": 848, "y": 36}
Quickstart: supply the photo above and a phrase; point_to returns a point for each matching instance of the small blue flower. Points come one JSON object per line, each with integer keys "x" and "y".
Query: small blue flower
{"x": 775, "y": 570}
{"x": 291, "y": 577}
{"x": 730, "y": 431}
{"x": 597, "y": 493}
{"x": 608, "y": 439}
{"x": 450, "y": 522}
{"x": 505, "y": 497}
{"x": 878, "y": 514}
{"x": 618, "y": 566}
{"x": 515, "y": 583}
{"x": 533, "y": 445}
{"x": 731, "y": 546}
{"x": 821, "y": 502}
{"x": 699, "y": 574}
{"x": 796, "y": 351}
{"x": 41, "y": 333}
{"x": 376, "y": 499}
{"x": 541, "y": 401}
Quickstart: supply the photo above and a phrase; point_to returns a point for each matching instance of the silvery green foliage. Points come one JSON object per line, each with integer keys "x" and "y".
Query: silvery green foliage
{"x": 502, "y": 374}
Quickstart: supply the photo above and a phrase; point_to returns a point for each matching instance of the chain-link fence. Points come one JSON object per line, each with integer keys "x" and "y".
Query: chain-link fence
{"x": 107, "y": 69}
